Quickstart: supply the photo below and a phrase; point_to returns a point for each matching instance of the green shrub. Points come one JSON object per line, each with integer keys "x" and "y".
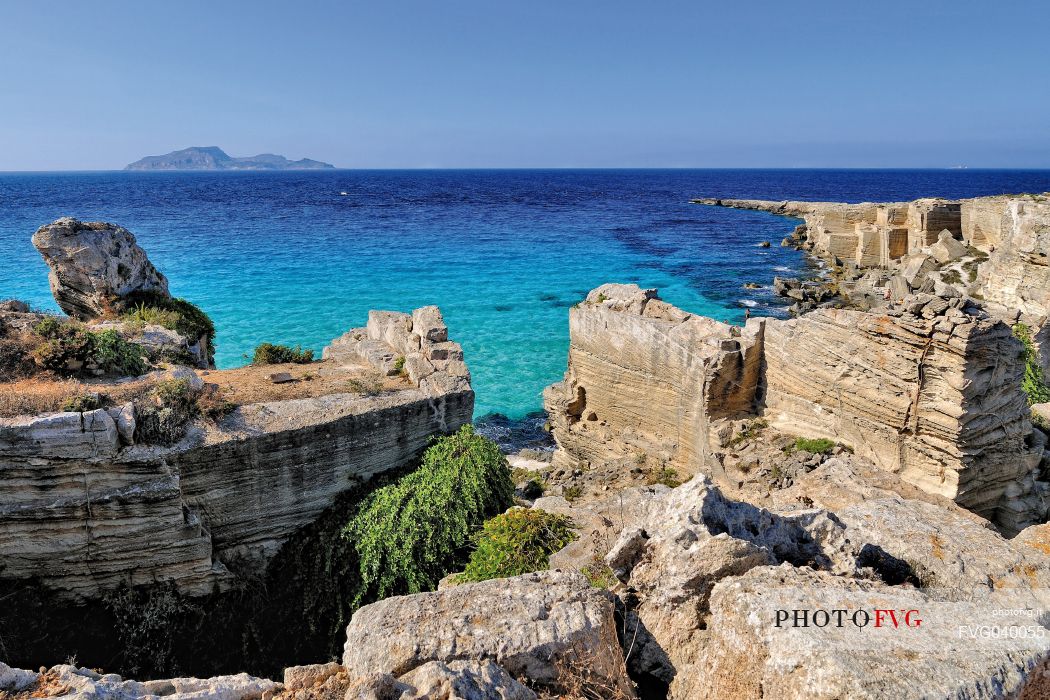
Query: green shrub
{"x": 162, "y": 418}
{"x": 818, "y": 446}
{"x": 399, "y": 365}
{"x": 952, "y": 276}
{"x": 572, "y": 492}
{"x": 271, "y": 354}
{"x": 668, "y": 476}
{"x": 83, "y": 402}
{"x": 68, "y": 347}
{"x": 599, "y": 575}
{"x": 410, "y": 534}
{"x": 517, "y": 542}
{"x": 179, "y": 315}
{"x": 1033, "y": 382}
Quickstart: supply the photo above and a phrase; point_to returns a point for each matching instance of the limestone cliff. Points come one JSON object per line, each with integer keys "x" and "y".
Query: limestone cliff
{"x": 85, "y": 511}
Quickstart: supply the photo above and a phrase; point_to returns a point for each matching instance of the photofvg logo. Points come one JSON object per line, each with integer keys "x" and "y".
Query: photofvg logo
{"x": 841, "y": 617}
{"x": 904, "y": 618}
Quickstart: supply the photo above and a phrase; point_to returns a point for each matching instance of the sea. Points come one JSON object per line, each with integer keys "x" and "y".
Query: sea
{"x": 300, "y": 257}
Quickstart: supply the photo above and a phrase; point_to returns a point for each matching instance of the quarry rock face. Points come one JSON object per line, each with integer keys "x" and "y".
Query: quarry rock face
{"x": 87, "y": 508}
{"x": 929, "y": 391}
{"x": 640, "y": 376}
{"x": 94, "y": 265}
{"x": 535, "y": 626}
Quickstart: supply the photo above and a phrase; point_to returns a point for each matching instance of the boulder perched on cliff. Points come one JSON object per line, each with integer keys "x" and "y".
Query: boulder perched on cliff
{"x": 94, "y": 265}
{"x": 537, "y": 626}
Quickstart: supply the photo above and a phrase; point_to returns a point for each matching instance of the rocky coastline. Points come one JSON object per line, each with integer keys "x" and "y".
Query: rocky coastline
{"x": 882, "y": 456}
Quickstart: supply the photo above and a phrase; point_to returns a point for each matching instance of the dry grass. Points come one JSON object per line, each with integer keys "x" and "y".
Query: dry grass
{"x": 47, "y": 394}
{"x": 252, "y": 384}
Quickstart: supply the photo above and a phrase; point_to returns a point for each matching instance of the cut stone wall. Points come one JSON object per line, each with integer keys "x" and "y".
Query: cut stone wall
{"x": 82, "y": 512}
{"x": 931, "y": 392}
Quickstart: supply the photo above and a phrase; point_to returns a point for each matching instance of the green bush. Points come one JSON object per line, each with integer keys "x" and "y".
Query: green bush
{"x": 668, "y": 476}
{"x": 162, "y": 418}
{"x": 517, "y": 542}
{"x": 178, "y": 315}
{"x": 271, "y": 354}
{"x": 818, "y": 446}
{"x": 67, "y": 347}
{"x": 1033, "y": 382}
{"x": 82, "y": 402}
{"x": 409, "y": 534}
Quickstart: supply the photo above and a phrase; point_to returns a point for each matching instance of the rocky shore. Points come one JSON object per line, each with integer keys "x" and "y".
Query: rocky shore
{"x": 851, "y": 503}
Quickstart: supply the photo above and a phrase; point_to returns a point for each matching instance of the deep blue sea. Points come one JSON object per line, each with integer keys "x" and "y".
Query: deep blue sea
{"x": 289, "y": 258}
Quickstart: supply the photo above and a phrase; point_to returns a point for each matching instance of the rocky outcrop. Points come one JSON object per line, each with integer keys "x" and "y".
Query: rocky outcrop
{"x": 69, "y": 681}
{"x": 1018, "y": 271}
{"x": 538, "y": 627}
{"x": 647, "y": 378}
{"x": 415, "y": 345}
{"x": 89, "y": 507}
{"x": 930, "y": 390}
{"x": 94, "y": 265}
{"x": 717, "y": 583}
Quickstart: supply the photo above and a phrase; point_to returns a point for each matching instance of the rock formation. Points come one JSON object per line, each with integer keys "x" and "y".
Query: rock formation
{"x": 930, "y": 391}
{"x": 717, "y": 583}
{"x": 69, "y": 681}
{"x": 992, "y": 248}
{"x": 89, "y": 508}
{"x": 640, "y": 376}
{"x": 94, "y": 265}
{"x": 538, "y": 627}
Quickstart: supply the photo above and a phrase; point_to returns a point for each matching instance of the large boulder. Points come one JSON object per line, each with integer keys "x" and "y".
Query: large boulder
{"x": 717, "y": 581}
{"x": 757, "y": 646}
{"x": 537, "y": 626}
{"x": 94, "y": 265}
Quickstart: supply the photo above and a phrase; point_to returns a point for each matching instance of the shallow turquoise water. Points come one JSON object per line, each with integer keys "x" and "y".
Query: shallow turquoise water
{"x": 284, "y": 257}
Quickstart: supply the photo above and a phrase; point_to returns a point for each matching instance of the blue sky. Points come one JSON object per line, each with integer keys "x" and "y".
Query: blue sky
{"x": 458, "y": 83}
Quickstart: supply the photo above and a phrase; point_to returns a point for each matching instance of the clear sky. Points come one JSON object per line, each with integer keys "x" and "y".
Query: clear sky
{"x": 538, "y": 83}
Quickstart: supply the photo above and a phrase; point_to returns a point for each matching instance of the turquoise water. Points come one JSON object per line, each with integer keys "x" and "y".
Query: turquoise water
{"x": 285, "y": 257}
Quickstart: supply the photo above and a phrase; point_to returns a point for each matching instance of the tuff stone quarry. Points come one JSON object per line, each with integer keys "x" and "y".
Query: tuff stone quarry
{"x": 641, "y": 376}
{"x": 94, "y": 265}
{"x": 930, "y": 391}
{"x": 88, "y": 506}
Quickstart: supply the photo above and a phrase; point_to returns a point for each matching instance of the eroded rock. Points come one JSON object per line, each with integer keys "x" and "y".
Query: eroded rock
{"x": 94, "y": 265}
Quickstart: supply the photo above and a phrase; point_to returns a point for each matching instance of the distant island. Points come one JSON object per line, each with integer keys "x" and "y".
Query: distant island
{"x": 214, "y": 158}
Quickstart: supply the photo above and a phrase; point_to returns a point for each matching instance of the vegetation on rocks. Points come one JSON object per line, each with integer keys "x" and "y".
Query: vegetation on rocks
{"x": 66, "y": 347}
{"x": 179, "y": 315}
{"x": 168, "y": 408}
{"x": 818, "y": 446}
{"x": 272, "y": 354}
{"x": 409, "y": 534}
{"x": 517, "y": 542}
{"x": 1033, "y": 383}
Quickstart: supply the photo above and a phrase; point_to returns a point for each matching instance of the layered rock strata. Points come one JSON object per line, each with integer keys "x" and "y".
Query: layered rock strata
{"x": 930, "y": 391}
{"x": 641, "y": 376}
{"x": 87, "y": 508}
